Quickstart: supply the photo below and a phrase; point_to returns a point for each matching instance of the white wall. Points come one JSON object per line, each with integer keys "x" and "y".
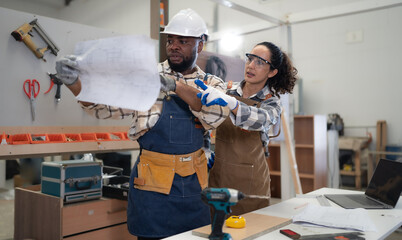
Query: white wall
{"x": 18, "y": 63}
{"x": 122, "y": 16}
{"x": 361, "y": 81}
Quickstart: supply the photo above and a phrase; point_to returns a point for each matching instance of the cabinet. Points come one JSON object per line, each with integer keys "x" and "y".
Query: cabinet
{"x": 310, "y": 135}
{"x": 45, "y": 217}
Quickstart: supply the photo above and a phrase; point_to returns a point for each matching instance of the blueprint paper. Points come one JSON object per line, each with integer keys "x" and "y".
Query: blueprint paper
{"x": 335, "y": 217}
{"x": 119, "y": 71}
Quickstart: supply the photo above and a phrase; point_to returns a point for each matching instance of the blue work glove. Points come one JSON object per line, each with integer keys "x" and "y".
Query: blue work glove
{"x": 67, "y": 69}
{"x": 211, "y": 96}
{"x": 211, "y": 160}
{"x": 167, "y": 84}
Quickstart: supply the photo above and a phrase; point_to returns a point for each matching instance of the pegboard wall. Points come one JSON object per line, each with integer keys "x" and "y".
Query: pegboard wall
{"x": 18, "y": 63}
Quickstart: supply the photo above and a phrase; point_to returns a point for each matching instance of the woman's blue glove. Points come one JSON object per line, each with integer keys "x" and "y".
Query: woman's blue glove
{"x": 211, "y": 160}
{"x": 211, "y": 96}
{"x": 210, "y": 155}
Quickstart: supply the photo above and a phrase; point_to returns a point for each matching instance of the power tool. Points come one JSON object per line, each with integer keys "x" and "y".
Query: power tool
{"x": 220, "y": 199}
{"x": 24, "y": 34}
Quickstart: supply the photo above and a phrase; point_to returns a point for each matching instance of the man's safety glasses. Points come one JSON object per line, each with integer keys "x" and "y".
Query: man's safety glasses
{"x": 259, "y": 61}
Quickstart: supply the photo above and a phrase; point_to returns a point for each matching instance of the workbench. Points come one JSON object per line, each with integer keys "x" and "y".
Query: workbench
{"x": 358, "y": 145}
{"x": 386, "y": 221}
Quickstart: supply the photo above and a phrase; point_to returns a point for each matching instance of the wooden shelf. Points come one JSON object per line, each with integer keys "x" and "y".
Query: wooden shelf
{"x": 275, "y": 173}
{"x": 347, "y": 173}
{"x": 51, "y": 149}
{"x": 304, "y": 145}
{"x": 304, "y": 175}
{"x": 273, "y": 163}
{"x": 310, "y": 151}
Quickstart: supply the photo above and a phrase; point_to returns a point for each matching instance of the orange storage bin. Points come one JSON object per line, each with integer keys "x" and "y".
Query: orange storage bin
{"x": 73, "y": 137}
{"x": 116, "y": 136}
{"x": 39, "y": 138}
{"x": 88, "y": 137}
{"x": 20, "y": 139}
{"x": 125, "y": 137}
{"x": 102, "y": 136}
{"x": 5, "y": 139}
{"x": 57, "y": 138}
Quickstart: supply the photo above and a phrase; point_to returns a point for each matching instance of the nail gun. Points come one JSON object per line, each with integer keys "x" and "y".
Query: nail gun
{"x": 24, "y": 33}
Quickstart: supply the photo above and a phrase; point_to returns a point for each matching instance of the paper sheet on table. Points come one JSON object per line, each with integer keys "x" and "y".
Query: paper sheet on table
{"x": 355, "y": 219}
{"x": 119, "y": 71}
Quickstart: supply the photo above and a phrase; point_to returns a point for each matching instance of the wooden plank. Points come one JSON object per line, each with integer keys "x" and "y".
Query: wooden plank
{"x": 381, "y": 138}
{"x": 256, "y": 225}
{"x": 34, "y": 213}
{"x": 292, "y": 157}
{"x": 358, "y": 182}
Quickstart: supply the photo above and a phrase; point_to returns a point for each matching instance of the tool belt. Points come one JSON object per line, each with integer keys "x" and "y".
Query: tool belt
{"x": 156, "y": 170}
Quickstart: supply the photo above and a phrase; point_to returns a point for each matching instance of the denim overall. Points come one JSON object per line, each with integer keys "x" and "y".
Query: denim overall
{"x": 156, "y": 215}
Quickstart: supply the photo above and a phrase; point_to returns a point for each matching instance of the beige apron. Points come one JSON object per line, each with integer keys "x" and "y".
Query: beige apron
{"x": 240, "y": 163}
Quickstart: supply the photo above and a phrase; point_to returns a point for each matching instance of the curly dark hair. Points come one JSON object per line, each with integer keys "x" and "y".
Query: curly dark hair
{"x": 284, "y": 81}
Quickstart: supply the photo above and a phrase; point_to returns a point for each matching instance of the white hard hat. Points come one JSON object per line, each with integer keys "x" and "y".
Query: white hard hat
{"x": 186, "y": 23}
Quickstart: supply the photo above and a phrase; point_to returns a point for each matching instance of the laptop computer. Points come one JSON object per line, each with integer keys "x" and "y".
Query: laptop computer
{"x": 383, "y": 191}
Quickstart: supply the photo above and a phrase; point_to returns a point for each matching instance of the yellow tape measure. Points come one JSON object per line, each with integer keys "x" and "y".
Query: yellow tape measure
{"x": 236, "y": 222}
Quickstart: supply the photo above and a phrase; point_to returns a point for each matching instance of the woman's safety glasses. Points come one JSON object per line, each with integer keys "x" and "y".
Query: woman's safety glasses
{"x": 259, "y": 61}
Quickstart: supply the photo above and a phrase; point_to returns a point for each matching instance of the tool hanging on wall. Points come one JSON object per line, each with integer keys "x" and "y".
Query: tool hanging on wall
{"x": 24, "y": 34}
{"x": 58, "y": 82}
{"x": 31, "y": 89}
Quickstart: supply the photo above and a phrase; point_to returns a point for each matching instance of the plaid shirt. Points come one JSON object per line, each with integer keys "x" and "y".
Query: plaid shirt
{"x": 256, "y": 119}
{"x": 210, "y": 117}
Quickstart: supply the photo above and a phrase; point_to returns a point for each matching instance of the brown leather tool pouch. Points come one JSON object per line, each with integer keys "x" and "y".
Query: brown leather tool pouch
{"x": 156, "y": 174}
{"x": 200, "y": 165}
{"x": 156, "y": 170}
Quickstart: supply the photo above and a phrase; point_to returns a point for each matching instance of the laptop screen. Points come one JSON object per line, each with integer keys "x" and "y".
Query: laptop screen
{"x": 386, "y": 183}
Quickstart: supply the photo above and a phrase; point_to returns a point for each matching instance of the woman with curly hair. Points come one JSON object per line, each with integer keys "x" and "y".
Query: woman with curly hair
{"x": 241, "y": 147}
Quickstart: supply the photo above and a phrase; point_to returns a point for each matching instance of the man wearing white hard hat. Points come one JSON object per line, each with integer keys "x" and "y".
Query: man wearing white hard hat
{"x": 171, "y": 170}
{"x": 172, "y": 204}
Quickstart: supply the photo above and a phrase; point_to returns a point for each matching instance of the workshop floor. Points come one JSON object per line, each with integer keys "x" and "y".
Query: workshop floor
{"x": 7, "y": 213}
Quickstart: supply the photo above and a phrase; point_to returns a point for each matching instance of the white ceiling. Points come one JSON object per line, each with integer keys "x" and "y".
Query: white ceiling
{"x": 272, "y": 13}
{"x": 294, "y": 11}
{"x": 276, "y": 11}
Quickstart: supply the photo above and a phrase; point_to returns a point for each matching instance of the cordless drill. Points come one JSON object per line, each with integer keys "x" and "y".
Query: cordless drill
{"x": 220, "y": 199}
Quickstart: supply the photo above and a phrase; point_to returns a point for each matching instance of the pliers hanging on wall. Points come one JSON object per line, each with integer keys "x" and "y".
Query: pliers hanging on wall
{"x": 58, "y": 82}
